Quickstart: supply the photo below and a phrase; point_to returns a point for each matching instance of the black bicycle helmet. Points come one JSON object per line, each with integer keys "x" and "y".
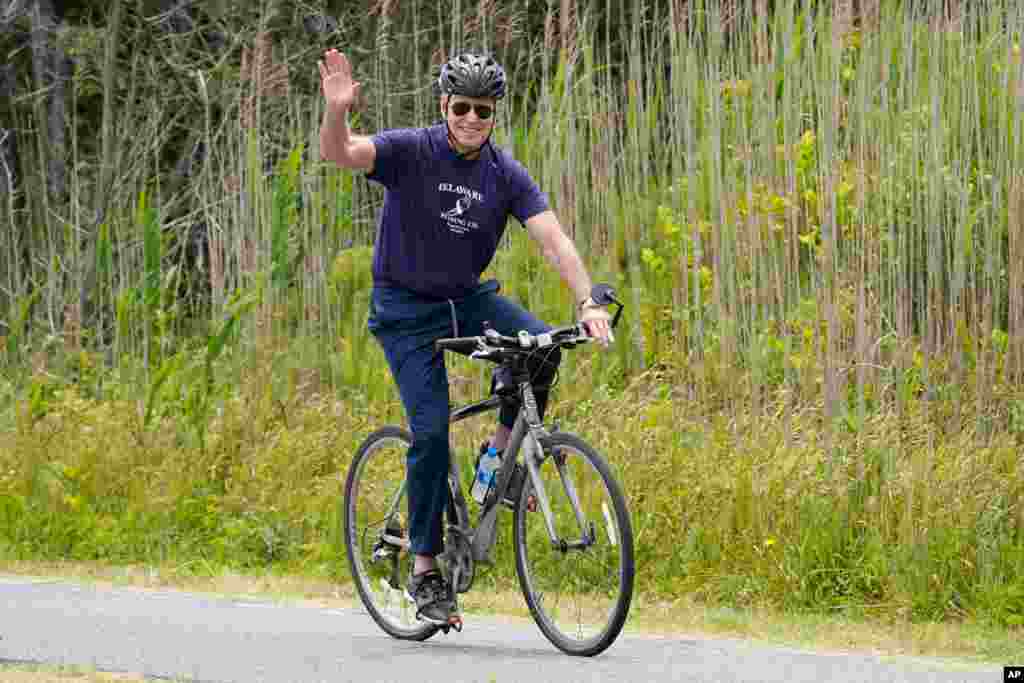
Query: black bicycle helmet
{"x": 472, "y": 75}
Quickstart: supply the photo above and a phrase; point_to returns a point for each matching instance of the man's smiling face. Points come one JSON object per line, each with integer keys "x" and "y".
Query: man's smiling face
{"x": 466, "y": 121}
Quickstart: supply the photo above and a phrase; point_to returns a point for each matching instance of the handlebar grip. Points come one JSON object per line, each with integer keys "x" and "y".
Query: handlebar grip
{"x": 460, "y": 344}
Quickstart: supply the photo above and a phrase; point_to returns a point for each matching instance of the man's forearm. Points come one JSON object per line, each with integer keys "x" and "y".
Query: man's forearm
{"x": 563, "y": 256}
{"x": 335, "y": 135}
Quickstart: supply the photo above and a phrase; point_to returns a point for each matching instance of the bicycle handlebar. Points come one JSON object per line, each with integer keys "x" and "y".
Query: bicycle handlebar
{"x": 570, "y": 335}
{"x": 491, "y": 340}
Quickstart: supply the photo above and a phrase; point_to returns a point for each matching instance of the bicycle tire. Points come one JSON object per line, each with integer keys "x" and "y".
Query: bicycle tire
{"x": 542, "y": 568}
{"x": 362, "y": 526}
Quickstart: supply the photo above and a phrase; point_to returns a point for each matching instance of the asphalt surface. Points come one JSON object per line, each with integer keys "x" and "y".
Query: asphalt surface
{"x": 179, "y": 636}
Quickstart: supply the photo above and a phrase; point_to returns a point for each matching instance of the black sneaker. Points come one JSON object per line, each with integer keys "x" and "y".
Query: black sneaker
{"x": 433, "y": 599}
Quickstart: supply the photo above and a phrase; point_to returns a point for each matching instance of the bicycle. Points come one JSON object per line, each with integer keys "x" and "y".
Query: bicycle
{"x": 571, "y": 528}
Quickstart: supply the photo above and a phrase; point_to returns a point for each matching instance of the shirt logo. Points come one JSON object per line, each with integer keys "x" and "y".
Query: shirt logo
{"x": 457, "y": 218}
{"x": 462, "y": 205}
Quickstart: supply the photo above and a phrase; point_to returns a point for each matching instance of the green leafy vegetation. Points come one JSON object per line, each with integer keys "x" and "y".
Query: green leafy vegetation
{"x": 815, "y": 401}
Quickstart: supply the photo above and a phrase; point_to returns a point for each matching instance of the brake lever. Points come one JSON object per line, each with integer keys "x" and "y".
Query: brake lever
{"x": 481, "y": 349}
{"x": 618, "y": 313}
{"x": 583, "y": 335}
{"x": 603, "y": 295}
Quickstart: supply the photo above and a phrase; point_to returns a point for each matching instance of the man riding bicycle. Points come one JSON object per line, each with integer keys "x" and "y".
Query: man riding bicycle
{"x": 448, "y": 196}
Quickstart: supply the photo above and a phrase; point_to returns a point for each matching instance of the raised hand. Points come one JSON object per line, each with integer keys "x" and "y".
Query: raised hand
{"x": 339, "y": 90}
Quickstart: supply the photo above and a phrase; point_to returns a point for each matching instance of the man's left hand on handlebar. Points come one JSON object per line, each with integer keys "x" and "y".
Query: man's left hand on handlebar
{"x": 597, "y": 321}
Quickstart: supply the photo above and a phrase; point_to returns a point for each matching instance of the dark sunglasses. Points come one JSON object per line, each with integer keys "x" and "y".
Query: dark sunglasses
{"x": 483, "y": 111}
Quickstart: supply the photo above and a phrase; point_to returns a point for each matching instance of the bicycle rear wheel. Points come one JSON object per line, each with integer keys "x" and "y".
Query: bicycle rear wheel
{"x": 580, "y": 587}
{"x": 375, "y": 529}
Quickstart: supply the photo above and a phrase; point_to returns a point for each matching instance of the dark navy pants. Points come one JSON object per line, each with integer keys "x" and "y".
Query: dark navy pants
{"x": 407, "y": 324}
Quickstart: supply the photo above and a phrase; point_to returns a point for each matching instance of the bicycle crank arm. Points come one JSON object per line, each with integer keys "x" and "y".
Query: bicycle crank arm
{"x": 484, "y": 536}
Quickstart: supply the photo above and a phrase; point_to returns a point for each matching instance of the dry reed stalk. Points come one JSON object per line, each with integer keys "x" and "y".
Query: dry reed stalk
{"x": 508, "y": 29}
{"x": 870, "y": 15}
{"x": 314, "y": 262}
{"x": 215, "y": 256}
{"x": 947, "y": 17}
{"x": 729, "y": 12}
{"x": 72, "y": 331}
{"x": 762, "y": 43}
{"x": 986, "y": 363}
{"x": 485, "y": 10}
{"x": 384, "y": 8}
{"x": 567, "y": 30}
{"x": 600, "y": 173}
{"x": 842, "y": 19}
{"x": 954, "y": 16}
{"x": 267, "y": 78}
{"x": 1015, "y": 230}
{"x": 842, "y": 27}
{"x": 567, "y": 205}
{"x": 472, "y": 26}
{"x": 549, "y": 32}
{"x": 437, "y": 58}
{"x": 679, "y": 15}
{"x": 483, "y": 19}
{"x": 38, "y": 363}
{"x": 308, "y": 384}
{"x": 718, "y": 296}
{"x": 1017, "y": 64}
{"x": 247, "y": 257}
{"x": 860, "y": 335}
{"x": 600, "y": 152}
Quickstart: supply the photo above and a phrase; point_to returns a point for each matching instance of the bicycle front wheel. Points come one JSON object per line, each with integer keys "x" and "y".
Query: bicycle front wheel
{"x": 376, "y": 533}
{"x": 579, "y": 585}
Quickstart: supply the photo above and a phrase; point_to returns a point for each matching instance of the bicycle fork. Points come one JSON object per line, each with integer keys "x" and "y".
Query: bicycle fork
{"x": 587, "y": 530}
{"x": 532, "y": 456}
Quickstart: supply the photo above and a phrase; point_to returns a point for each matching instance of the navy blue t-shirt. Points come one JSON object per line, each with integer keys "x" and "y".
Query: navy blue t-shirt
{"x": 443, "y": 217}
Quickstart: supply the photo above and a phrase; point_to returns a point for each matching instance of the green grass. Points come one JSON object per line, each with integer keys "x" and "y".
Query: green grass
{"x": 759, "y": 513}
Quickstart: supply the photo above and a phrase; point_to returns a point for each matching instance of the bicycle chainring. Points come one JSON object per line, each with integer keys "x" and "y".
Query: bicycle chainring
{"x": 458, "y": 558}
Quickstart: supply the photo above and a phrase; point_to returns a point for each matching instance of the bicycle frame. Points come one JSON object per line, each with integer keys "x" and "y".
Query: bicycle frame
{"x": 528, "y": 430}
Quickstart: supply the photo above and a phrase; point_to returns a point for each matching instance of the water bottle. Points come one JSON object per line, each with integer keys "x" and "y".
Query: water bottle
{"x": 489, "y": 462}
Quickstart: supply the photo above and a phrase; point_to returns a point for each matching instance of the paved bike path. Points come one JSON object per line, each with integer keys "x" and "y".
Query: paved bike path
{"x": 187, "y": 636}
